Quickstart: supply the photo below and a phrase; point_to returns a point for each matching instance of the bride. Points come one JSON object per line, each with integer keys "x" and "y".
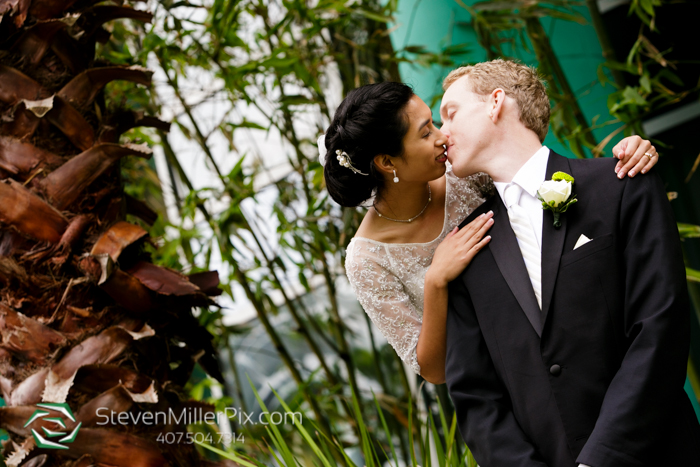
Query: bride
{"x": 383, "y": 146}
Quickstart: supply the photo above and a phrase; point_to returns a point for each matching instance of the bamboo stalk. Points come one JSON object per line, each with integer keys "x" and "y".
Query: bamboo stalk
{"x": 302, "y": 329}
{"x": 236, "y": 376}
{"x": 201, "y": 139}
{"x": 281, "y": 349}
{"x": 262, "y": 315}
{"x": 336, "y": 320}
{"x": 608, "y": 52}
{"x": 173, "y": 161}
{"x": 286, "y": 128}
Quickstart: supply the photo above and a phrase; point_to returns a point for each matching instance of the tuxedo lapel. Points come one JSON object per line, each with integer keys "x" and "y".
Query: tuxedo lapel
{"x": 552, "y": 239}
{"x": 506, "y": 252}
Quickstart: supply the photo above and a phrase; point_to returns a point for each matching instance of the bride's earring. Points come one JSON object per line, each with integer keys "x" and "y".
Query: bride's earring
{"x": 396, "y": 179}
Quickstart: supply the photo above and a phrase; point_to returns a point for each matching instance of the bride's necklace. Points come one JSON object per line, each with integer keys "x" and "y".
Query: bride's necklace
{"x": 430, "y": 197}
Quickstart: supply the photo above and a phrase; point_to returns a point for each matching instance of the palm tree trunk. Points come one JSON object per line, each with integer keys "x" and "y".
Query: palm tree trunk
{"x": 88, "y": 324}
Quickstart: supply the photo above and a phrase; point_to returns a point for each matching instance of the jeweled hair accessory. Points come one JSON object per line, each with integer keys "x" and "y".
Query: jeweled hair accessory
{"x": 345, "y": 161}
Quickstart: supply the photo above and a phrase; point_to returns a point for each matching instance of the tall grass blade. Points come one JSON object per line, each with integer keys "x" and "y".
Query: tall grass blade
{"x": 230, "y": 455}
{"x": 274, "y": 432}
{"x": 312, "y": 444}
{"x": 386, "y": 429}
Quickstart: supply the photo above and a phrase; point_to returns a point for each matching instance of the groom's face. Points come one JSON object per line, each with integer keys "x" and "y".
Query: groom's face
{"x": 466, "y": 123}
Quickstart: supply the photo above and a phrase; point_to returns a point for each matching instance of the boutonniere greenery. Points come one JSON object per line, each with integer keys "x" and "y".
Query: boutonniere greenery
{"x": 556, "y": 196}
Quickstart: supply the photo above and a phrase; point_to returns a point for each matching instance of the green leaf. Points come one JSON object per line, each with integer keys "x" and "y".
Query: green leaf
{"x": 272, "y": 429}
{"x": 386, "y": 428}
{"x": 229, "y": 455}
{"x": 439, "y": 449}
{"x": 688, "y": 230}
{"x": 247, "y": 124}
{"x": 374, "y": 16}
{"x": 304, "y": 282}
{"x": 633, "y": 51}
{"x": 671, "y": 76}
{"x": 301, "y": 430}
{"x": 415, "y": 49}
{"x": 601, "y": 76}
{"x": 631, "y": 95}
{"x": 692, "y": 275}
{"x": 296, "y": 100}
{"x": 648, "y": 6}
{"x": 279, "y": 62}
{"x": 495, "y": 6}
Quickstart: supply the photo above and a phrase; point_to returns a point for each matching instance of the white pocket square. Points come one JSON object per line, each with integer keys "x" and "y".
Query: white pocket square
{"x": 582, "y": 240}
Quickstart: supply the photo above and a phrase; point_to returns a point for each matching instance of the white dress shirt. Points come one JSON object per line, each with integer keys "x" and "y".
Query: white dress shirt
{"x": 529, "y": 178}
{"x": 525, "y": 213}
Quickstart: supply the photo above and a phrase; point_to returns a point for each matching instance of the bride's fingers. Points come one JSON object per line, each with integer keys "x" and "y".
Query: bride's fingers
{"x": 479, "y": 234}
{"x": 468, "y": 236}
{"x": 476, "y": 248}
{"x": 637, "y": 157}
{"x": 646, "y": 162}
{"x": 476, "y": 224}
{"x": 620, "y": 148}
{"x": 482, "y": 243}
{"x": 647, "y": 165}
{"x": 625, "y": 149}
{"x": 627, "y": 146}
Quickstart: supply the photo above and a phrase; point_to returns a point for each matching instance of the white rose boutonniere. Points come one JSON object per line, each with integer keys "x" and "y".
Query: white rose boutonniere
{"x": 556, "y": 196}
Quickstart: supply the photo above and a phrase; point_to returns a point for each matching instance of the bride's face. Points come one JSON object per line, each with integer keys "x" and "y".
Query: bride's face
{"x": 423, "y": 159}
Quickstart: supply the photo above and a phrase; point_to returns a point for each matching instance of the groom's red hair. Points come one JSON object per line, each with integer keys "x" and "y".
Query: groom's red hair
{"x": 520, "y": 82}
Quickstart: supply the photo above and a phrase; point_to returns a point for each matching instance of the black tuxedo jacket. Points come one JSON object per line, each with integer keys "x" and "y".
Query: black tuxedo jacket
{"x": 597, "y": 375}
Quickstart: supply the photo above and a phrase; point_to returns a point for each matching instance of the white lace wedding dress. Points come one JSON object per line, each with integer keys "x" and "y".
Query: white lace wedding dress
{"x": 387, "y": 278}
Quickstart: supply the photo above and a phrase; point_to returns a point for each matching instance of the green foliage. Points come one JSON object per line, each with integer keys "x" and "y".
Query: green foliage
{"x": 326, "y": 451}
{"x": 646, "y": 83}
{"x": 215, "y": 62}
{"x": 692, "y": 275}
{"x": 688, "y": 230}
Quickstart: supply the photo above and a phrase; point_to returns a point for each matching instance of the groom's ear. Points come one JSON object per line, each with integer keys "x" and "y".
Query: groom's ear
{"x": 496, "y": 101}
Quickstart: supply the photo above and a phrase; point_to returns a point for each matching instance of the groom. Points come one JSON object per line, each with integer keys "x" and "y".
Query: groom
{"x": 565, "y": 346}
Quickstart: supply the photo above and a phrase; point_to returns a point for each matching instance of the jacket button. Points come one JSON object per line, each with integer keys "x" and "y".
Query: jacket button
{"x": 555, "y": 370}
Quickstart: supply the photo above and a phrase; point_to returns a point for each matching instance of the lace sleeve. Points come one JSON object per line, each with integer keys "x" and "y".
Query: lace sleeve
{"x": 482, "y": 183}
{"x": 384, "y": 299}
{"x": 466, "y": 194}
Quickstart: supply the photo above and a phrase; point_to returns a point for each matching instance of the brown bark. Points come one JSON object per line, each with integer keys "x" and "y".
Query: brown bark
{"x": 86, "y": 318}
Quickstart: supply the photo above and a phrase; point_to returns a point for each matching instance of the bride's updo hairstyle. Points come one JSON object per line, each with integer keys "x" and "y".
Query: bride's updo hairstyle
{"x": 371, "y": 120}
